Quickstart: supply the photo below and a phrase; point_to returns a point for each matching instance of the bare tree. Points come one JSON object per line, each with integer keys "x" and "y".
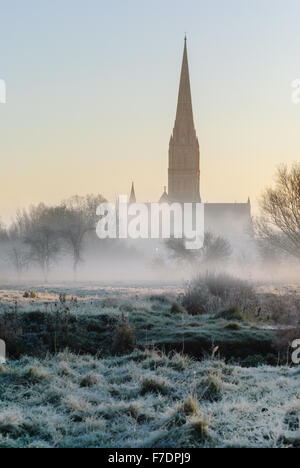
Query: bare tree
{"x": 17, "y": 254}
{"x": 19, "y": 258}
{"x": 77, "y": 219}
{"x": 4, "y": 243}
{"x": 39, "y": 231}
{"x": 279, "y": 224}
{"x": 3, "y": 232}
{"x": 215, "y": 250}
{"x": 179, "y": 253}
{"x": 40, "y": 234}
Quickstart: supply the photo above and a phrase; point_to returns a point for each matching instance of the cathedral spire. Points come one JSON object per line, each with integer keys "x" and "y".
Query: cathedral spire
{"x": 184, "y": 152}
{"x": 184, "y": 105}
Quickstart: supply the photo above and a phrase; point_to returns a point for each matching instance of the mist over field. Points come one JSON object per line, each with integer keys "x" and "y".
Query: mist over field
{"x": 144, "y": 343}
{"x": 148, "y": 344}
{"x": 189, "y": 338}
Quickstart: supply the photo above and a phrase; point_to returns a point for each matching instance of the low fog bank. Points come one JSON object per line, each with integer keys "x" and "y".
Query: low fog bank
{"x": 148, "y": 262}
{"x": 59, "y": 244}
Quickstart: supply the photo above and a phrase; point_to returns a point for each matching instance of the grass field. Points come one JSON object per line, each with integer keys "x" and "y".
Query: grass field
{"x": 86, "y": 322}
{"x": 146, "y": 399}
{"x": 181, "y": 380}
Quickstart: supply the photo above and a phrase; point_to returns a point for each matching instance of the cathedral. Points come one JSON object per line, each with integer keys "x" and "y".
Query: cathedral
{"x": 229, "y": 220}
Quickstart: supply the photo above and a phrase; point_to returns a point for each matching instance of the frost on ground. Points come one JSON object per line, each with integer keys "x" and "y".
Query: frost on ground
{"x": 83, "y": 293}
{"x": 88, "y": 323}
{"x": 146, "y": 399}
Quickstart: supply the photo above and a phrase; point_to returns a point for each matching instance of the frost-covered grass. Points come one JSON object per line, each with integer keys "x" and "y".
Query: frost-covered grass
{"x": 85, "y": 294}
{"x": 146, "y": 399}
{"x": 59, "y": 398}
{"x": 88, "y": 324}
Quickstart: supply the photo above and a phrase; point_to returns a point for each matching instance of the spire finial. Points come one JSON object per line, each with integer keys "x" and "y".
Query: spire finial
{"x": 132, "y": 198}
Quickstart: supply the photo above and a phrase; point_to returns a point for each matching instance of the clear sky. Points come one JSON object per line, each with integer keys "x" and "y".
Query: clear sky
{"x": 92, "y": 88}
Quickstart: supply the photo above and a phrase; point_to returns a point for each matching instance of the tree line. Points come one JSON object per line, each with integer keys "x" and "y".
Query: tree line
{"x": 39, "y": 235}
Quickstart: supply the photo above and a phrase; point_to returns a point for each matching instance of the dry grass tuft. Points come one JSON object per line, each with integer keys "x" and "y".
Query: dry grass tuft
{"x": 189, "y": 406}
{"x": 123, "y": 341}
{"x": 89, "y": 380}
{"x": 152, "y": 384}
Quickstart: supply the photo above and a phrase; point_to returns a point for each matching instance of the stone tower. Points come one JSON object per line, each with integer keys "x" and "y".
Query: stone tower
{"x": 184, "y": 153}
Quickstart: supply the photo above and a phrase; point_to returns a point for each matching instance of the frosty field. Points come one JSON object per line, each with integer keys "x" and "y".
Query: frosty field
{"x": 146, "y": 400}
{"x": 74, "y": 378}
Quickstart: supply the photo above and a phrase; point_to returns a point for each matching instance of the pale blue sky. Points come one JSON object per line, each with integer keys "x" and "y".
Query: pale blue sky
{"x": 92, "y": 89}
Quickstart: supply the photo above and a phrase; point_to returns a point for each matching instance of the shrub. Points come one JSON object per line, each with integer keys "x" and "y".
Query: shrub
{"x": 206, "y": 294}
{"x": 177, "y": 308}
{"x": 234, "y": 313}
{"x": 282, "y": 309}
{"x": 221, "y": 285}
{"x": 123, "y": 341}
{"x": 11, "y": 332}
{"x": 196, "y": 299}
{"x": 257, "y": 360}
{"x": 160, "y": 298}
{"x": 283, "y": 341}
{"x": 234, "y": 326}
